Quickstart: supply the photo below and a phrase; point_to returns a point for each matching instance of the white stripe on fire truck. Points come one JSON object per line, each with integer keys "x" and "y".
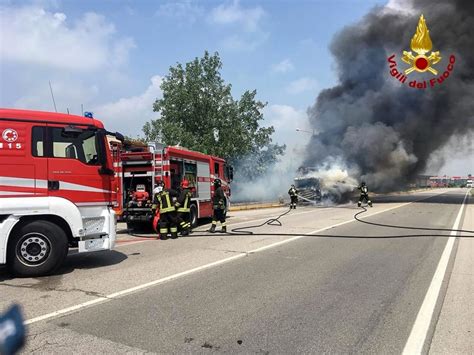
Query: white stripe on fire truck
{"x": 9, "y": 193}
{"x": 148, "y": 173}
{"x": 76, "y": 187}
{"x": 17, "y": 182}
{"x": 24, "y": 182}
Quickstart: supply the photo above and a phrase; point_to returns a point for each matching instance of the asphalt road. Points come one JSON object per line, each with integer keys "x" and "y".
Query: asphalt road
{"x": 250, "y": 294}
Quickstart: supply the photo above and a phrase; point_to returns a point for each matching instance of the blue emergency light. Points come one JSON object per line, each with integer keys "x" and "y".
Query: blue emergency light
{"x": 89, "y": 114}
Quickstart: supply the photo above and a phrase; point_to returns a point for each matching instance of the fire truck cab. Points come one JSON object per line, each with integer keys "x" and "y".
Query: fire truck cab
{"x": 57, "y": 189}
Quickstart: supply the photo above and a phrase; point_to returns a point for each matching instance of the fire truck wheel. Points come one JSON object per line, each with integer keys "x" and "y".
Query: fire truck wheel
{"x": 131, "y": 226}
{"x": 37, "y": 248}
{"x": 193, "y": 216}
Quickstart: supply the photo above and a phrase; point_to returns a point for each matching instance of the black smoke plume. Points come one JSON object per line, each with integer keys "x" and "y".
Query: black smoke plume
{"x": 378, "y": 129}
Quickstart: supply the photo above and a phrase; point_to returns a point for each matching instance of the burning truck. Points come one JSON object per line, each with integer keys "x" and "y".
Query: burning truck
{"x": 327, "y": 185}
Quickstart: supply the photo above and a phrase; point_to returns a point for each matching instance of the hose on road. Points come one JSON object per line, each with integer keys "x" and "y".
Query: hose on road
{"x": 276, "y": 222}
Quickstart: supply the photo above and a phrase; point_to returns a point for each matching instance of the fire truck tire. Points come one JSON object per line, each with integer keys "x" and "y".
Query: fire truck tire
{"x": 36, "y": 248}
{"x": 131, "y": 226}
{"x": 193, "y": 216}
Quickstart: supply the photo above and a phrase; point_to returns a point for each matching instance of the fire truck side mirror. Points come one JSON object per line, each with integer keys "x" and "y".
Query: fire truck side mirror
{"x": 106, "y": 171}
{"x": 119, "y": 136}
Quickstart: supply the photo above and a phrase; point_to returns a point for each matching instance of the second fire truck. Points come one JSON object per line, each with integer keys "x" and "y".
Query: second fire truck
{"x": 141, "y": 167}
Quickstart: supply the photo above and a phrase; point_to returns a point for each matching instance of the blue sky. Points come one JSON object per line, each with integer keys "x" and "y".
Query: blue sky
{"x": 279, "y": 48}
{"x": 111, "y": 55}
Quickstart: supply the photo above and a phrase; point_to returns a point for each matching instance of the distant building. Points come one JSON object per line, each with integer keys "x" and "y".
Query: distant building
{"x": 448, "y": 181}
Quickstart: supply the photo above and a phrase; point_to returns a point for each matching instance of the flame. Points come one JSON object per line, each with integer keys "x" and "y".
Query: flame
{"x": 421, "y": 41}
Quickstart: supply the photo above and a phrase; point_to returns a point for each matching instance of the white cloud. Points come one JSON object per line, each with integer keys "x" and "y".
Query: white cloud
{"x": 33, "y": 35}
{"x": 301, "y": 85}
{"x": 234, "y": 14}
{"x": 243, "y": 21}
{"x": 185, "y": 12}
{"x": 242, "y": 42}
{"x": 128, "y": 115}
{"x": 68, "y": 95}
{"x": 286, "y": 119}
{"x": 284, "y": 66}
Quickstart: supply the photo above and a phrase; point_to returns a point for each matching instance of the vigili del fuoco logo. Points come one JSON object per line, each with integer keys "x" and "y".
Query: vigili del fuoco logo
{"x": 421, "y": 59}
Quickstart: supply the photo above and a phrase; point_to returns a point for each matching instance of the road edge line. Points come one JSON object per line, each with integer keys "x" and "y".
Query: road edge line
{"x": 417, "y": 338}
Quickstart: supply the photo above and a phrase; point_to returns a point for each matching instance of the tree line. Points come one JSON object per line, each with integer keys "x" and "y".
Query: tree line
{"x": 198, "y": 111}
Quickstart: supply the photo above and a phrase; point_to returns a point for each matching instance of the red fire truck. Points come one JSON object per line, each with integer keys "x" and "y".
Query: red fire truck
{"x": 57, "y": 189}
{"x": 147, "y": 165}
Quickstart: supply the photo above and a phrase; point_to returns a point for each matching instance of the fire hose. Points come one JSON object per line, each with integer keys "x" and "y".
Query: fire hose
{"x": 243, "y": 231}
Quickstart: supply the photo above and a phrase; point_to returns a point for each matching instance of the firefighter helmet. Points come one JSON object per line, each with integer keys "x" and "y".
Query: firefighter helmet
{"x": 185, "y": 184}
{"x": 160, "y": 183}
{"x": 217, "y": 182}
{"x": 363, "y": 183}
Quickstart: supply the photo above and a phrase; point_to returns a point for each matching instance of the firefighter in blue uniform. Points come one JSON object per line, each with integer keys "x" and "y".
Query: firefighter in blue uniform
{"x": 364, "y": 194}
{"x": 218, "y": 205}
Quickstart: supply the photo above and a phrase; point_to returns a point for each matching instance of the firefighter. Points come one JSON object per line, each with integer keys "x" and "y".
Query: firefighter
{"x": 364, "y": 194}
{"x": 218, "y": 205}
{"x": 158, "y": 188}
{"x": 184, "y": 198}
{"x": 293, "y": 192}
{"x": 156, "y": 201}
{"x": 168, "y": 218}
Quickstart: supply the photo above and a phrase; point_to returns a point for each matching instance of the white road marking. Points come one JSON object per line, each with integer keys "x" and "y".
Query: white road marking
{"x": 115, "y": 295}
{"x": 230, "y": 225}
{"x": 417, "y": 338}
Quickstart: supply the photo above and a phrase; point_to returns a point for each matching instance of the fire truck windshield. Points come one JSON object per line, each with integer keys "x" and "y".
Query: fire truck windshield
{"x": 82, "y": 145}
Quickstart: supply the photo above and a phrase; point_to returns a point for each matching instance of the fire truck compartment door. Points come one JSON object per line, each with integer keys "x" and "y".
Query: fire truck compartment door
{"x": 23, "y": 172}
{"x": 203, "y": 181}
{"x": 73, "y": 169}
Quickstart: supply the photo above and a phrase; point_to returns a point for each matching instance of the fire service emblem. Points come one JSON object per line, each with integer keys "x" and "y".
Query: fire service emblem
{"x": 421, "y": 60}
{"x": 421, "y": 44}
{"x": 10, "y": 135}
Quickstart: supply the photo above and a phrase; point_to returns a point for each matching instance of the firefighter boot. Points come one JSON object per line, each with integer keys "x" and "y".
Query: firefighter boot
{"x": 359, "y": 204}
{"x": 213, "y": 228}
{"x": 182, "y": 226}
{"x": 174, "y": 232}
{"x": 224, "y": 229}
{"x": 370, "y": 203}
{"x": 185, "y": 232}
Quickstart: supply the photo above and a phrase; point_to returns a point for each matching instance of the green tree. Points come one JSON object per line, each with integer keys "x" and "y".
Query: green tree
{"x": 198, "y": 112}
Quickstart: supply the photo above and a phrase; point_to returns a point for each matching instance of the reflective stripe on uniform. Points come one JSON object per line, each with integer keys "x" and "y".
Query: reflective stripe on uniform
{"x": 169, "y": 207}
{"x": 185, "y": 207}
{"x": 163, "y": 230}
{"x": 173, "y": 229}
